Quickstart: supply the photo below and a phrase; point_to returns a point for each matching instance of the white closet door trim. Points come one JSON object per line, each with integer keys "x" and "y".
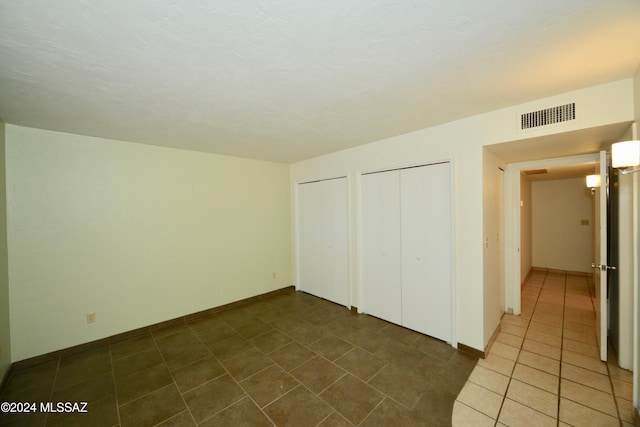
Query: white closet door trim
{"x": 408, "y": 166}
{"x": 311, "y": 181}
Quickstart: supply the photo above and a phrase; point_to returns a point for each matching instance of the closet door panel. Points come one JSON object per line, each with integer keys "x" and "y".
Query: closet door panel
{"x": 337, "y": 251}
{"x": 380, "y": 243}
{"x": 310, "y": 225}
{"x": 426, "y": 249}
{"x": 323, "y": 235}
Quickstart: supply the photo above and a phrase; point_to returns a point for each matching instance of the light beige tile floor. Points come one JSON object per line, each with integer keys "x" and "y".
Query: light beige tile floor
{"x": 544, "y": 368}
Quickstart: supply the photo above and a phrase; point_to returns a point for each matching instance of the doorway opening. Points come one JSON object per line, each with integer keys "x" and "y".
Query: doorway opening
{"x": 521, "y": 235}
{"x": 518, "y": 236}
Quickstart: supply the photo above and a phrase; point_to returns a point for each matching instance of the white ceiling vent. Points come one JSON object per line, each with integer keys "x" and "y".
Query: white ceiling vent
{"x": 548, "y": 116}
{"x": 536, "y": 172}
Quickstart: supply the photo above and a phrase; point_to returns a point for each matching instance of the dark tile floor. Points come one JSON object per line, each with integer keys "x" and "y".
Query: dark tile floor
{"x": 292, "y": 359}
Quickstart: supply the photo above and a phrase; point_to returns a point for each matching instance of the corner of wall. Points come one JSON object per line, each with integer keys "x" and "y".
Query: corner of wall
{"x": 636, "y": 207}
{"x": 5, "y": 333}
{"x": 636, "y": 94}
{"x": 526, "y": 260}
{"x": 493, "y": 226}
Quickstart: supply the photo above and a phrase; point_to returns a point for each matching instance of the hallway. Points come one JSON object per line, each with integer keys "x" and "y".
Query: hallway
{"x": 544, "y": 368}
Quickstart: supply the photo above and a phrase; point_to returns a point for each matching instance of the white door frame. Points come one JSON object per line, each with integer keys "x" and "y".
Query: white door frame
{"x": 512, "y": 220}
{"x": 601, "y": 302}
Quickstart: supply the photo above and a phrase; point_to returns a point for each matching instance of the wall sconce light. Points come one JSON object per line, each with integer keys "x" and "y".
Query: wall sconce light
{"x": 593, "y": 182}
{"x": 625, "y": 155}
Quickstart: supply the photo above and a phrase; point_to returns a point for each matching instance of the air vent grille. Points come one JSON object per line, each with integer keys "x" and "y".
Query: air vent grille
{"x": 536, "y": 172}
{"x": 548, "y": 116}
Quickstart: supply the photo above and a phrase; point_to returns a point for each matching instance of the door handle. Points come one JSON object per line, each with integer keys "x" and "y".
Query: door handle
{"x": 603, "y": 267}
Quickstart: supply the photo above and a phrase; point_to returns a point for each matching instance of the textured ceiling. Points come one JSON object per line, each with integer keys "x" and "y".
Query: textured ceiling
{"x": 286, "y": 80}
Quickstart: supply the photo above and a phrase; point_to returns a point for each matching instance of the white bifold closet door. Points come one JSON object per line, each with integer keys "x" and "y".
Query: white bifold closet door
{"x": 426, "y": 217}
{"x": 381, "y": 262}
{"x": 407, "y": 248}
{"x": 323, "y": 239}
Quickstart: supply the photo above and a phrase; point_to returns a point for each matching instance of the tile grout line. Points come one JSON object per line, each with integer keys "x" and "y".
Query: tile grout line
{"x": 115, "y": 387}
{"x": 373, "y": 410}
{"x": 619, "y": 419}
{"x": 519, "y": 351}
{"x": 248, "y": 395}
{"x": 570, "y": 292}
{"x": 306, "y": 346}
{"x": 238, "y": 383}
{"x": 564, "y": 308}
{"x": 261, "y": 409}
{"x": 613, "y": 394}
{"x": 173, "y": 380}
{"x": 347, "y": 372}
{"x": 53, "y": 386}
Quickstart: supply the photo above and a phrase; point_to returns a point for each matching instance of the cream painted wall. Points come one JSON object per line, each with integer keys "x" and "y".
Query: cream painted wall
{"x": 461, "y": 142}
{"x": 560, "y": 241}
{"x": 137, "y": 234}
{"x": 526, "y": 261}
{"x": 493, "y": 250}
{"x": 5, "y": 331}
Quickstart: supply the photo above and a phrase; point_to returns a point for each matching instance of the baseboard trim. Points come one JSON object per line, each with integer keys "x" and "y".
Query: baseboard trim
{"x": 472, "y": 351}
{"x": 5, "y": 378}
{"x": 492, "y": 340}
{"x": 37, "y": 360}
{"x": 526, "y": 277}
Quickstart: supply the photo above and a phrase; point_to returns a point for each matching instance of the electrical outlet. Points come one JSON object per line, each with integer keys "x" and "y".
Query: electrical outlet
{"x": 0, "y": 352}
{"x": 273, "y": 275}
{"x": 91, "y": 317}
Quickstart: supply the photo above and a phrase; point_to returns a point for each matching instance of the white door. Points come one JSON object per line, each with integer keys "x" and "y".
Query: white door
{"x": 323, "y": 239}
{"x": 426, "y": 249}
{"x": 310, "y": 257}
{"x": 600, "y": 264}
{"x": 337, "y": 245}
{"x": 380, "y": 231}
